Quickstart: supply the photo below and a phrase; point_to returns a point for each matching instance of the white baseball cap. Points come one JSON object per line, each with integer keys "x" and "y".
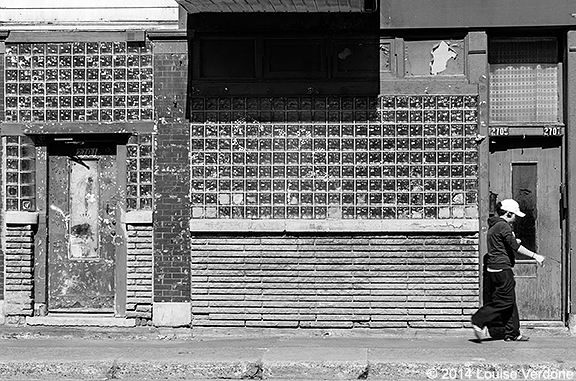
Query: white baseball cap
{"x": 512, "y": 206}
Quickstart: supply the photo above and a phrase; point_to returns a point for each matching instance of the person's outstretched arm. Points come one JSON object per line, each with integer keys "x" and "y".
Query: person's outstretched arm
{"x": 539, "y": 258}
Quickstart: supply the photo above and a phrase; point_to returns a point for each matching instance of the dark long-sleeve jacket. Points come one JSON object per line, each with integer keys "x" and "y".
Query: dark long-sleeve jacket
{"x": 502, "y": 244}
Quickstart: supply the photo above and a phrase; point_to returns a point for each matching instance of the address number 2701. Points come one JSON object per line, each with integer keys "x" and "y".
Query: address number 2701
{"x": 552, "y": 131}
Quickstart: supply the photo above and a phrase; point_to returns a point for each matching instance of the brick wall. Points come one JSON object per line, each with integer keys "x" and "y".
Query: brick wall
{"x": 19, "y": 273}
{"x": 171, "y": 215}
{"x": 1, "y": 270}
{"x": 1, "y": 182}
{"x": 322, "y": 281}
{"x": 170, "y": 79}
{"x": 139, "y": 283}
{"x": 2, "y": 116}
{"x": 171, "y": 174}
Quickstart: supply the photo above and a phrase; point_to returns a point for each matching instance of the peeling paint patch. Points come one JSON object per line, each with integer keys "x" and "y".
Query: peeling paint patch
{"x": 84, "y": 181}
{"x": 60, "y": 212}
{"x": 441, "y": 54}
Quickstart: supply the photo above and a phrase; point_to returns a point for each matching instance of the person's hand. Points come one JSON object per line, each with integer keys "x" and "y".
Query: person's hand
{"x": 539, "y": 258}
{"x": 519, "y": 241}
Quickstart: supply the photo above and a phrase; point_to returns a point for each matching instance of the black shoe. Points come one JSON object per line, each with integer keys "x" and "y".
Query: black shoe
{"x": 517, "y": 338}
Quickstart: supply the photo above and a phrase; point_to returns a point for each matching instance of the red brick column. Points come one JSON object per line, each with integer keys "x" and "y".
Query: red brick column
{"x": 139, "y": 283}
{"x": 171, "y": 182}
{"x": 19, "y": 252}
{"x": 2, "y": 115}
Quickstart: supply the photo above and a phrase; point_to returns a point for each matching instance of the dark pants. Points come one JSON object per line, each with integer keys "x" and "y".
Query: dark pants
{"x": 502, "y": 303}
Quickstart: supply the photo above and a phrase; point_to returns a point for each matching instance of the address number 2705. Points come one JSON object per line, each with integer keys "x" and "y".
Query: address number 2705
{"x": 499, "y": 131}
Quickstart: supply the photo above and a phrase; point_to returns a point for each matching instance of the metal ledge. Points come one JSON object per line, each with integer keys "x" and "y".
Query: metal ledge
{"x": 76, "y": 128}
{"x": 528, "y": 129}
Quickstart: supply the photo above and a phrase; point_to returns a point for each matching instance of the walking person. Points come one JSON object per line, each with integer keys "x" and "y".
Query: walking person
{"x": 502, "y": 248}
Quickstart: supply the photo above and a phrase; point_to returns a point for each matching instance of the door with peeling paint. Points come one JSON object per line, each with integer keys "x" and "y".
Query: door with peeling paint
{"x": 82, "y": 197}
{"x": 529, "y": 170}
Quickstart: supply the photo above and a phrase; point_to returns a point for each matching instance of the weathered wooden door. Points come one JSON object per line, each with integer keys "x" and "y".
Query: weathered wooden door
{"x": 530, "y": 171}
{"x": 82, "y": 198}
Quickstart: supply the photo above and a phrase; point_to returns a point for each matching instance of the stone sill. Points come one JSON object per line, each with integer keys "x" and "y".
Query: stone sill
{"x": 80, "y": 321}
{"x": 138, "y": 217}
{"x": 21, "y": 218}
{"x": 336, "y": 226}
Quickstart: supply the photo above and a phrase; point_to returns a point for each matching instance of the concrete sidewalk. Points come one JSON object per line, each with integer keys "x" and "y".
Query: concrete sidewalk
{"x": 152, "y": 354}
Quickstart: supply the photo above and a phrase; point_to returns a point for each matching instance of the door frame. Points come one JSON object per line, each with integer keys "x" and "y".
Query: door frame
{"x": 41, "y": 239}
{"x": 557, "y": 141}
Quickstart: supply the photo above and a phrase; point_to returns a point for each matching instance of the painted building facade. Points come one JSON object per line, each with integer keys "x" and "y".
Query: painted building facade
{"x": 282, "y": 164}
{"x": 78, "y": 125}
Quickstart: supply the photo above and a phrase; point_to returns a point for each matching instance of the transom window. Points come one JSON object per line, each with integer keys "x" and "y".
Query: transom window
{"x": 524, "y": 78}
{"x": 293, "y": 58}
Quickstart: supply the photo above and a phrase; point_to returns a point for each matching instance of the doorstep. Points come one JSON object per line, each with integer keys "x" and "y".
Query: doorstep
{"x": 80, "y": 321}
{"x": 543, "y": 324}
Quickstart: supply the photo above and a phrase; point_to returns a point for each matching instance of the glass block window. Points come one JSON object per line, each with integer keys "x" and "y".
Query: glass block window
{"x": 20, "y": 173}
{"x": 382, "y": 158}
{"x": 78, "y": 82}
{"x": 140, "y": 151}
{"x": 524, "y": 80}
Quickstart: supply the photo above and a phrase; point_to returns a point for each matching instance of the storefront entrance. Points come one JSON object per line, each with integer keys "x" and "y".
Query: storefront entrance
{"x": 82, "y": 219}
{"x": 530, "y": 171}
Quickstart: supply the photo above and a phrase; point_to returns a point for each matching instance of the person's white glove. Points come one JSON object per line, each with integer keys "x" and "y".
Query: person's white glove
{"x": 539, "y": 258}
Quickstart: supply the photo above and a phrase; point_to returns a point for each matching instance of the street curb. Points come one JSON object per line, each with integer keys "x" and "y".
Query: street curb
{"x": 253, "y": 370}
{"x": 465, "y": 370}
{"x": 118, "y": 370}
